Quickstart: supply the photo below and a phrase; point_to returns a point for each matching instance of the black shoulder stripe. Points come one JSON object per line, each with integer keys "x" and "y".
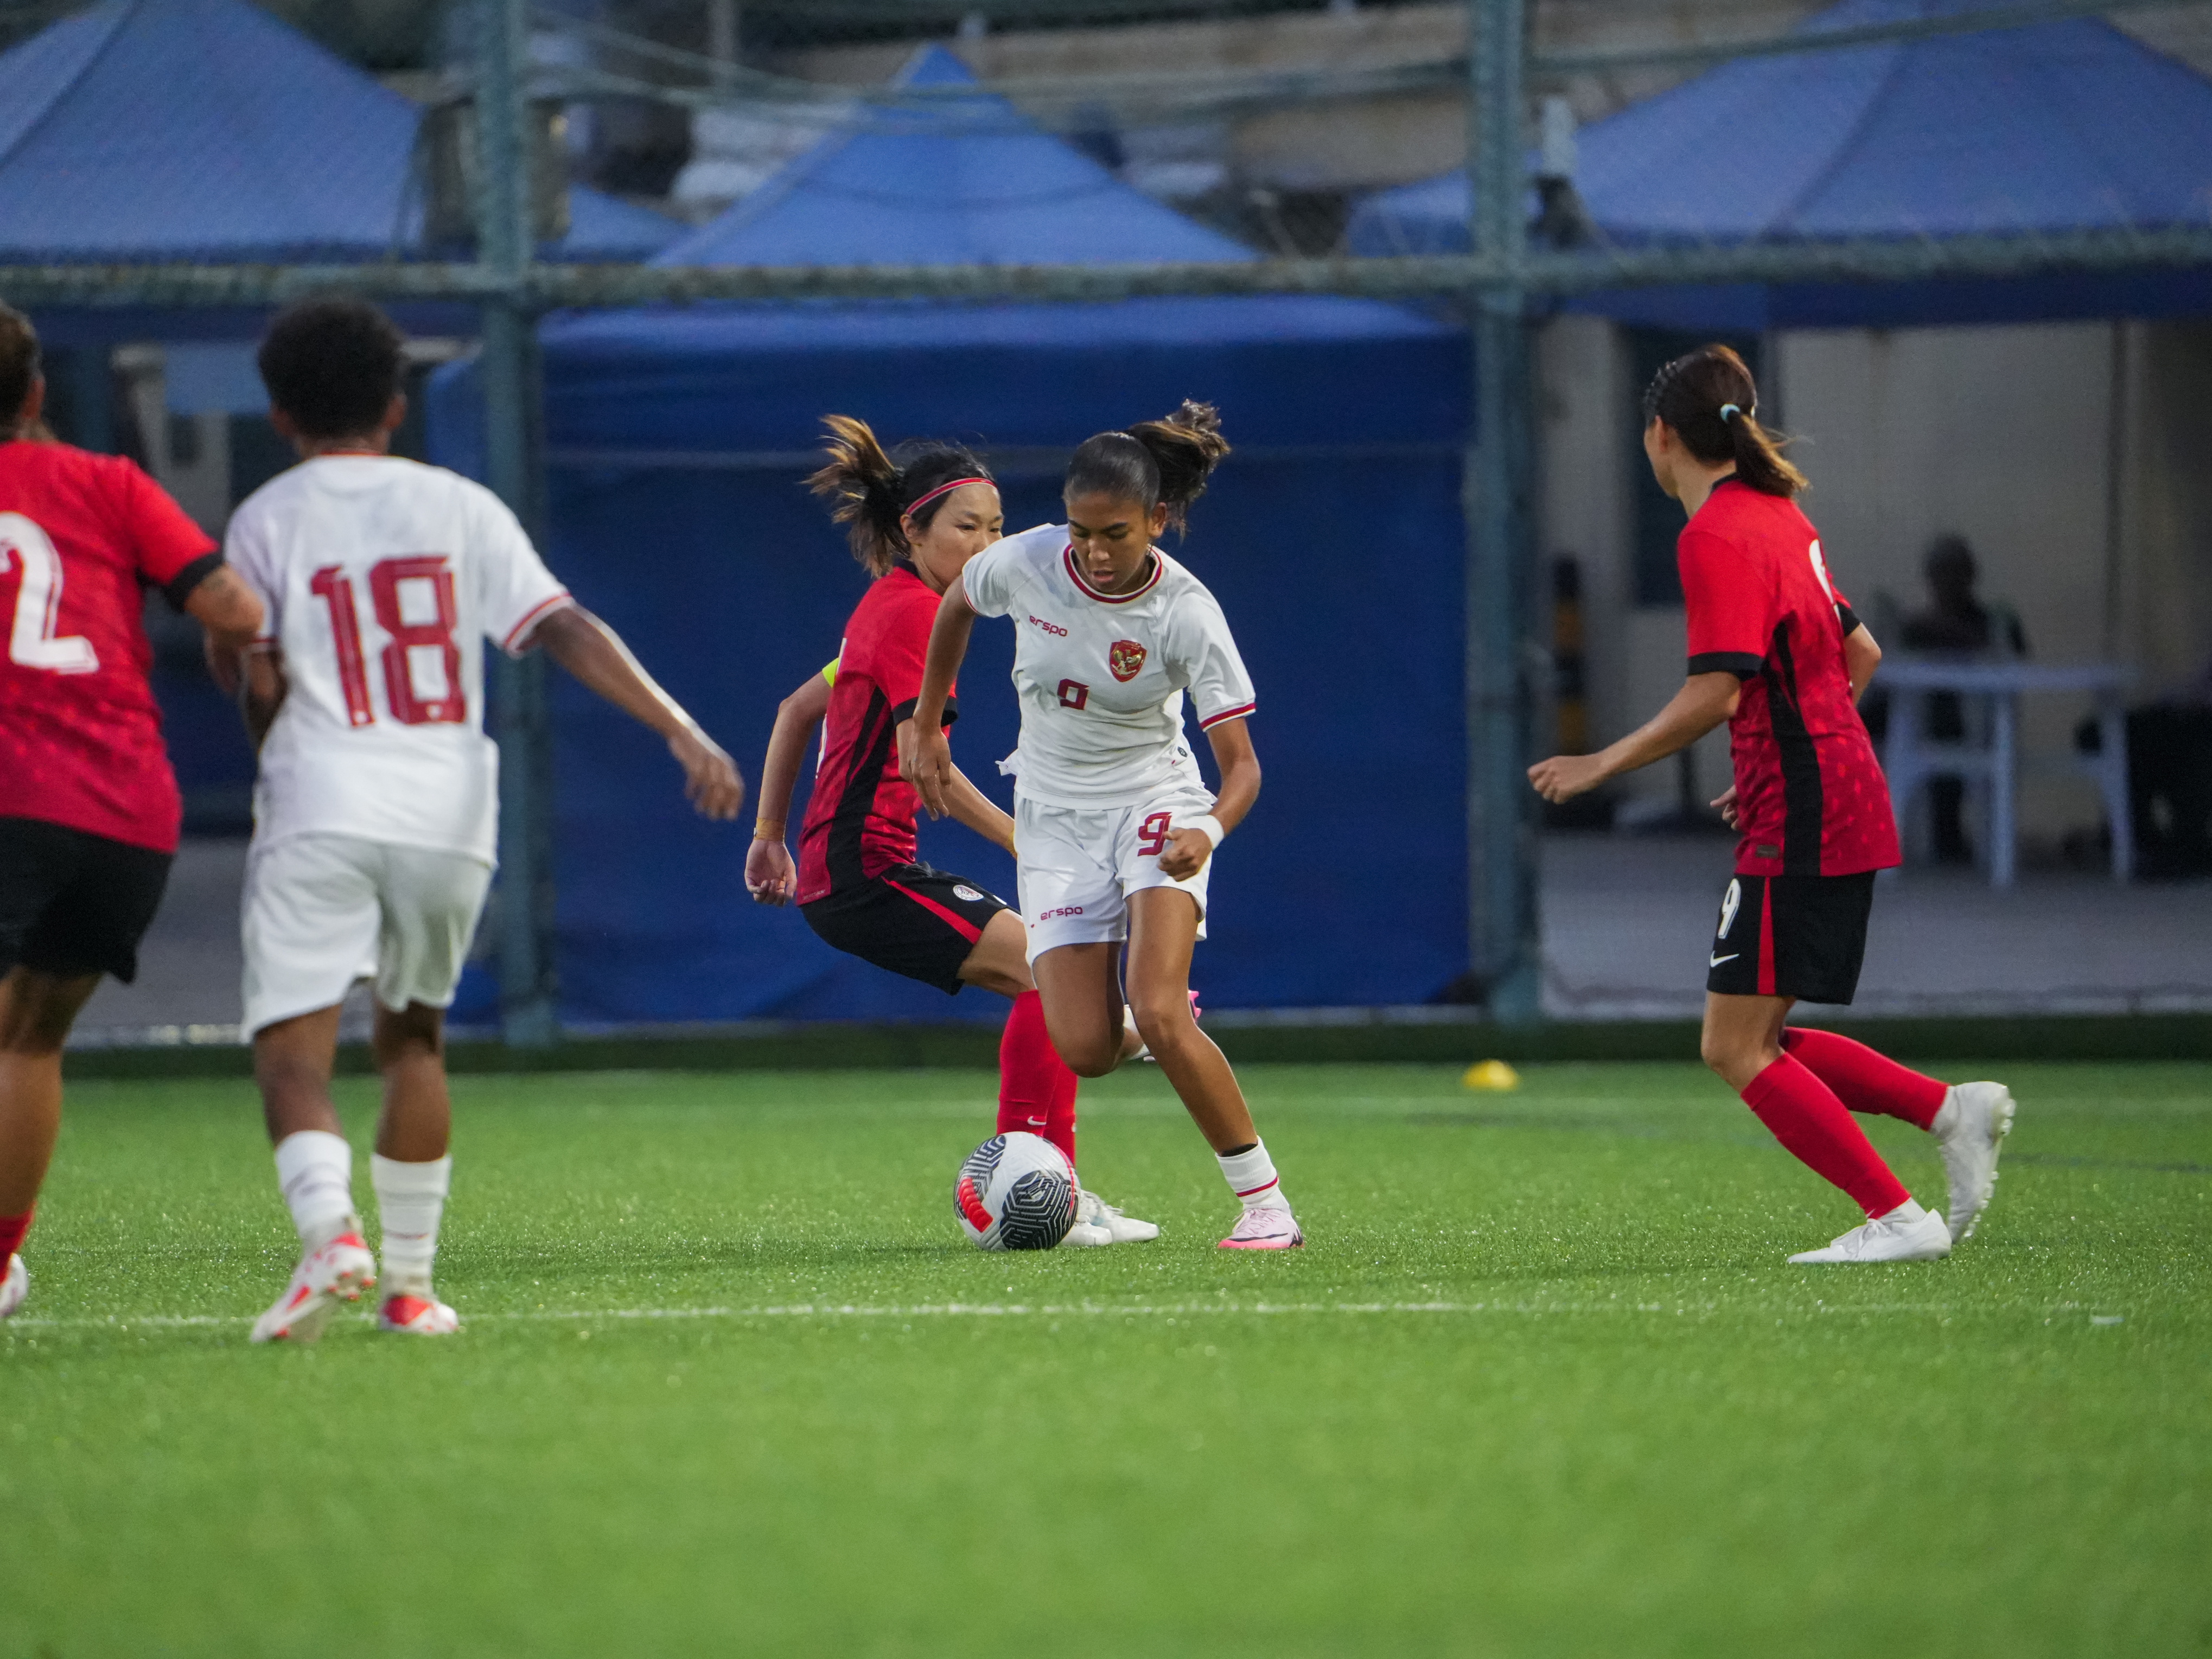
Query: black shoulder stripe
{"x": 1741, "y": 664}
{"x": 904, "y": 711}
{"x": 1849, "y": 620}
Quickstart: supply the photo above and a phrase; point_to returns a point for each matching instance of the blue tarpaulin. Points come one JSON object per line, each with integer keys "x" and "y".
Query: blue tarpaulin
{"x": 2062, "y": 126}
{"x": 144, "y": 130}
{"x": 679, "y": 440}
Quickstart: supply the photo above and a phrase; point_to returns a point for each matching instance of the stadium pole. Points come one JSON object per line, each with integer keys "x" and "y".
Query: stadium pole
{"x": 1503, "y": 939}
{"x": 505, "y": 236}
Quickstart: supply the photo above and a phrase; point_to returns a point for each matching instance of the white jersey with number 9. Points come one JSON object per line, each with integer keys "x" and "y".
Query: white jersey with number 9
{"x": 383, "y": 578}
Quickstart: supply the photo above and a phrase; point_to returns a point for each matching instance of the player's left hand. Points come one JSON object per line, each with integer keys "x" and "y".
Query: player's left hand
{"x": 1565, "y": 776}
{"x": 1186, "y": 854}
{"x": 711, "y": 781}
{"x": 1725, "y": 806}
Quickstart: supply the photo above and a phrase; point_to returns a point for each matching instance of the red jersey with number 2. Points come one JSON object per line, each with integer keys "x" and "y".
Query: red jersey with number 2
{"x": 860, "y": 819}
{"x": 82, "y": 537}
{"x": 1811, "y": 799}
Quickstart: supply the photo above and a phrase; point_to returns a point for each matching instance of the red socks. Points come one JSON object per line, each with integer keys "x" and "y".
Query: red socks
{"x": 1864, "y": 1081}
{"x": 12, "y": 1228}
{"x": 1037, "y": 1090}
{"x": 1805, "y": 1117}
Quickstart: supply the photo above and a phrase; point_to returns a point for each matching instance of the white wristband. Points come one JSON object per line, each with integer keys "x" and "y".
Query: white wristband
{"x": 1210, "y": 827}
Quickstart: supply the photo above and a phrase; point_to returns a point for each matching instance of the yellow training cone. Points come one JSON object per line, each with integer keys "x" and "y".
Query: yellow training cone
{"x": 1491, "y": 1074}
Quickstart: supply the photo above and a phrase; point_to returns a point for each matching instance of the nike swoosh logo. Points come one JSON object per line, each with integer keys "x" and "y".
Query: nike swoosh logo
{"x": 1715, "y": 962}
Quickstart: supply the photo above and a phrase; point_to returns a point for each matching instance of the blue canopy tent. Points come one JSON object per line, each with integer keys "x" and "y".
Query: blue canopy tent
{"x": 2053, "y": 126}
{"x": 678, "y": 441}
{"x": 146, "y": 130}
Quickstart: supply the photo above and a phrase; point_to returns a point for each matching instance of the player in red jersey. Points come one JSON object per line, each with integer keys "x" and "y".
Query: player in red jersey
{"x": 915, "y": 523}
{"x": 89, "y": 807}
{"x": 1776, "y": 652}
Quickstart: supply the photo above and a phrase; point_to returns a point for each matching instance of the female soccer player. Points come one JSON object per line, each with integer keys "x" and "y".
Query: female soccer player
{"x": 913, "y": 527}
{"x": 1114, "y": 831}
{"x": 1776, "y": 652}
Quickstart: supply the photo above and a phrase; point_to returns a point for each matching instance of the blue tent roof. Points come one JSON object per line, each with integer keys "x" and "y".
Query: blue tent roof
{"x": 679, "y": 437}
{"x": 206, "y": 130}
{"x": 2061, "y": 126}
{"x": 958, "y": 181}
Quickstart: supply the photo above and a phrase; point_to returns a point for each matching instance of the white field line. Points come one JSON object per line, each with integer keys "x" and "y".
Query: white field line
{"x": 1055, "y": 1310}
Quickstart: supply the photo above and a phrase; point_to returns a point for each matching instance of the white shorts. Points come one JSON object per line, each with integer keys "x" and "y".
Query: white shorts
{"x": 1077, "y": 867}
{"x": 323, "y": 911}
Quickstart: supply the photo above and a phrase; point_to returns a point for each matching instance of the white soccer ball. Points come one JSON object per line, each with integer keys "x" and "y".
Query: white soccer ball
{"x": 1015, "y": 1191}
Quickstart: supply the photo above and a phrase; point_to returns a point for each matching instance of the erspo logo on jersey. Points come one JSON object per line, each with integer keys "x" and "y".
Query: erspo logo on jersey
{"x": 1126, "y": 658}
{"x": 1054, "y": 628}
{"x": 1064, "y": 910}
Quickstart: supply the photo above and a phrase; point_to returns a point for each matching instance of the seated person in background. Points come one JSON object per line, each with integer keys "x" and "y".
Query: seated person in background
{"x": 1955, "y": 621}
{"x": 2170, "y": 779}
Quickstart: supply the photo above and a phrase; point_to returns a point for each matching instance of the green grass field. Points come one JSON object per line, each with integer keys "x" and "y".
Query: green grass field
{"x": 732, "y": 1383}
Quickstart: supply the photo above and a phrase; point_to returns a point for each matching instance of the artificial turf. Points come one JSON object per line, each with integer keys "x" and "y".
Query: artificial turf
{"x": 732, "y": 1383}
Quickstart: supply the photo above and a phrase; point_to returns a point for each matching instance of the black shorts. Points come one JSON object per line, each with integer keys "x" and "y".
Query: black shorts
{"x": 915, "y": 920}
{"x": 1791, "y": 936}
{"x": 73, "y": 903}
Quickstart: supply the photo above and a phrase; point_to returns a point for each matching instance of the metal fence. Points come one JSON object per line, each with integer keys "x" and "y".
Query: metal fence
{"x": 1267, "y": 119}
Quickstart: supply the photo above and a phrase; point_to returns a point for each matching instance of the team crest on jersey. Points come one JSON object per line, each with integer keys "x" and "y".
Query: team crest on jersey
{"x": 1125, "y": 658}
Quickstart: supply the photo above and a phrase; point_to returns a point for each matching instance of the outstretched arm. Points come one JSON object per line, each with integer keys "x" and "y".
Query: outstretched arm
{"x": 1704, "y": 701}
{"x": 969, "y": 805}
{"x": 769, "y": 877}
{"x": 590, "y": 650}
{"x": 925, "y": 758}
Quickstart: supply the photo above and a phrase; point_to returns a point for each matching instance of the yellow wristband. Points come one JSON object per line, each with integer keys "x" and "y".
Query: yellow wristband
{"x": 763, "y": 830}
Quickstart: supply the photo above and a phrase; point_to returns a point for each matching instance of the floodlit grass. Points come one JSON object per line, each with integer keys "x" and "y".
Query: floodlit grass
{"x": 732, "y": 1383}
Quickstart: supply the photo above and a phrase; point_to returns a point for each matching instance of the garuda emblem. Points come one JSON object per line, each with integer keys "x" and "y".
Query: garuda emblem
{"x": 1126, "y": 658}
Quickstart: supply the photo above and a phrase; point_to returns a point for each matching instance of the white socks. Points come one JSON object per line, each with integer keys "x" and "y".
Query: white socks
{"x": 1251, "y": 1176}
{"x": 409, "y": 1198}
{"x": 315, "y": 1170}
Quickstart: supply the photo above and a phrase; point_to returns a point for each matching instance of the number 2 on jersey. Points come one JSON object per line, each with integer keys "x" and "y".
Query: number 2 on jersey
{"x": 335, "y": 588}
{"x": 31, "y": 642}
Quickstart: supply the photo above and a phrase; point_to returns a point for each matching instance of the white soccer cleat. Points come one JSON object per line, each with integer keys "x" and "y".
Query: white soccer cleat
{"x": 1891, "y": 1237}
{"x": 1093, "y": 1214}
{"x": 1270, "y": 1227}
{"x": 417, "y": 1315}
{"x": 1969, "y": 1132}
{"x": 1083, "y": 1236}
{"x": 14, "y": 1287}
{"x": 334, "y": 1273}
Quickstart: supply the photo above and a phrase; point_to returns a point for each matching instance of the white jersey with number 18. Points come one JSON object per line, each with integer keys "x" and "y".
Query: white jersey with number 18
{"x": 383, "y": 578}
{"x": 1101, "y": 676}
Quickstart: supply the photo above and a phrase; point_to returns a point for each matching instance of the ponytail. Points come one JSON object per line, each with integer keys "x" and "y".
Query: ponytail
{"x": 875, "y": 494}
{"x": 1164, "y": 463}
{"x": 1710, "y": 400}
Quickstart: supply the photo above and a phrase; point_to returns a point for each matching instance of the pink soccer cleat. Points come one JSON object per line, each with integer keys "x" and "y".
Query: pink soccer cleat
{"x": 1270, "y": 1227}
{"x": 417, "y": 1316}
{"x": 15, "y": 1286}
{"x": 334, "y": 1273}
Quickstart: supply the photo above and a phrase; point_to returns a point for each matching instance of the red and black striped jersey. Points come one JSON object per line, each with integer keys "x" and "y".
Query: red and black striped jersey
{"x": 1811, "y": 798}
{"x": 860, "y": 819}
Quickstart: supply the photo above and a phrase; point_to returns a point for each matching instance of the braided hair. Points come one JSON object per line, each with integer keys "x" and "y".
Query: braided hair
{"x": 875, "y": 493}
{"x": 1708, "y": 399}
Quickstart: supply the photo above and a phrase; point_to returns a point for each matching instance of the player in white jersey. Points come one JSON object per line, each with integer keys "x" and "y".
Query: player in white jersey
{"x": 1114, "y": 829}
{"x": 376, "y": 811}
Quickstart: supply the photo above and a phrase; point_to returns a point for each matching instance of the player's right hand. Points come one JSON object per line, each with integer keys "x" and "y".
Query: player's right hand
{"x": 711, "y": 779}
{"x": 926, "y": 761}
{"x": 769, "y": 877}
{"x": 1725, "y": 806}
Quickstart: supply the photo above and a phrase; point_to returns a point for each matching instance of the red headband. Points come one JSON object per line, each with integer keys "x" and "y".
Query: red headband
{"x": 915, "y": 506}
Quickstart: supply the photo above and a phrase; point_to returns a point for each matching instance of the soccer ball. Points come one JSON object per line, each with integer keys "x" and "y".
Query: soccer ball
{"x": 1015, "y": 1191}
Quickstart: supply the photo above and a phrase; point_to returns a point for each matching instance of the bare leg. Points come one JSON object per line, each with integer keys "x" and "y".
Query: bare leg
{"x": 1163, "y": 928}
{"x": 1080, "y": 986}
{"x": 416, "y": 1126}
{"x": 292, "y": 1061}
{"x": 1743, "y": 1036}
{"x": 36, "y": 1012}
{"x": 999, "y": 961}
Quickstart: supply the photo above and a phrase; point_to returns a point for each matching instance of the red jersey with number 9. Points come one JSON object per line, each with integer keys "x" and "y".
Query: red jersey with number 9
{"x": 1811, "y": 799}
{"x": 82, "y": 537}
